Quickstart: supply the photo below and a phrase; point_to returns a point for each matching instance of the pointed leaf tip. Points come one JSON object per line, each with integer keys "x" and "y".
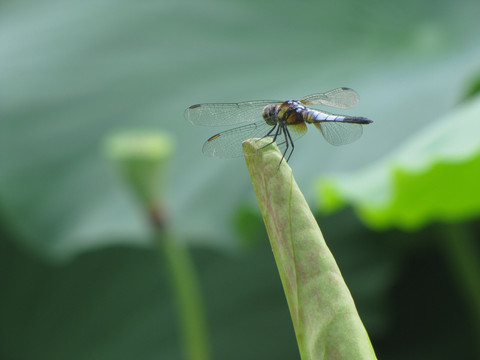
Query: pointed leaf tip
{"x": 323, "y": 313}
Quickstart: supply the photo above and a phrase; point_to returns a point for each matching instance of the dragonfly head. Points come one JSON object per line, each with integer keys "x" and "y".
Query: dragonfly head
{"x": 270, "y": 114}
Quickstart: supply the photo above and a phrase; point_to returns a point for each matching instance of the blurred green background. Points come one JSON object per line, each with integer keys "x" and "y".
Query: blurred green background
{"x": 79, "y": 277}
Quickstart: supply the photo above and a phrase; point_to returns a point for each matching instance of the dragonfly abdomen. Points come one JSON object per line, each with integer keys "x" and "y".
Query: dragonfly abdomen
{"x": 313, "y": 116}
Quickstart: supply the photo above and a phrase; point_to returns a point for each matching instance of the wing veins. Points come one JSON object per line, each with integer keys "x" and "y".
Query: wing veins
{"x": 220, "y": 114}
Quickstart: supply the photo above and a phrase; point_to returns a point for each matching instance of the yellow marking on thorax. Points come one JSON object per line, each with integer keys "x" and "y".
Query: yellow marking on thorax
{"x": 295, "y": 118}
{"x": 289, "y": 115}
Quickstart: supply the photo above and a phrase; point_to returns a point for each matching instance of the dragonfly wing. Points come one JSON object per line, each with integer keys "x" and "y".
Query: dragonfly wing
{"x": 228, "y": 144}
{"x": 227, "y": 113}
{"x": 341, "y": 98}
{"x": 340, "y": 133}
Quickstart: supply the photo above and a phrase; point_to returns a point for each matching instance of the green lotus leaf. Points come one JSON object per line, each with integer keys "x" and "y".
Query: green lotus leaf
{"x": 71, "y": 75}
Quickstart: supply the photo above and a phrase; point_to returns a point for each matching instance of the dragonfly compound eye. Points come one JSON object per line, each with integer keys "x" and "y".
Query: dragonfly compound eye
{"x": 270, "y": 114}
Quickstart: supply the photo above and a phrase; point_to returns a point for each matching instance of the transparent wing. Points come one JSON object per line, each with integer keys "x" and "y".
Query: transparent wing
{"x": 228, "y": 144}
{"x": 227, "y": 113}
{"x": 340, "y": 133}
{"x": 341, "y": 98}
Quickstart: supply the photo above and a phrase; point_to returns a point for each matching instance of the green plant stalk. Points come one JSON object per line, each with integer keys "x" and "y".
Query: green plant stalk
{"x": 326, "y": 322}
{"x": 142, "y": 158}
{"x": 186, "y": 292}
{"x": 460, "y": 250}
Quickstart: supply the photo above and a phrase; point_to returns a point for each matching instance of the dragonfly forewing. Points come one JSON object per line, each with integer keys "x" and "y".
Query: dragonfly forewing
{"x": 227, "y": 113}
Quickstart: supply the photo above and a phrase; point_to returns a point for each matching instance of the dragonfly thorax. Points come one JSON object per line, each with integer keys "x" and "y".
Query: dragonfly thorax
{"x": 288, "y": 113}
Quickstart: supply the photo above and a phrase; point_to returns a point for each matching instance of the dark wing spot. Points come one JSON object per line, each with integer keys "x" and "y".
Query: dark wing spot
{"x": 213, "y": 137}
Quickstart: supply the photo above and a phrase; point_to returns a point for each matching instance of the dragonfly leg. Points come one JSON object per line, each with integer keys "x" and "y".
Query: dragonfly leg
{"x": 287, "y": 141}
{"x": 270, "y": 132}
{"x": 277, "y": 132}
{"x": 291, "y": 142}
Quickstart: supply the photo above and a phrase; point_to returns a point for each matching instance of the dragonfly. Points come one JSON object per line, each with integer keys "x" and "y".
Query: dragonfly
{"x": 283, "y": 121}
